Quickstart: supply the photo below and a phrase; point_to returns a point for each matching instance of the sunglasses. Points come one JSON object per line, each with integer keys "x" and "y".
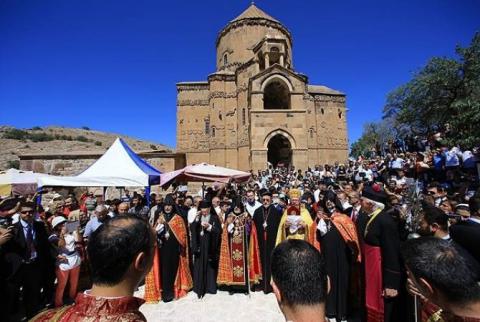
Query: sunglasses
{"x": 27, "y": 212}
{"x": 266, "y": 199}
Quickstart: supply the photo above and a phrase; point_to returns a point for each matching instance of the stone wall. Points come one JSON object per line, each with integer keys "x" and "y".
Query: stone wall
{"x": 71, "y": 164}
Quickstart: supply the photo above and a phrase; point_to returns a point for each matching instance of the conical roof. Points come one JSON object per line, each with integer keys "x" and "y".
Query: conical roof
{"x": 253, "y": 12}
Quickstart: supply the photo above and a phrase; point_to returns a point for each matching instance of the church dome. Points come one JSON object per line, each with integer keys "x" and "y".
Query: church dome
{"x": 237, "y": 39}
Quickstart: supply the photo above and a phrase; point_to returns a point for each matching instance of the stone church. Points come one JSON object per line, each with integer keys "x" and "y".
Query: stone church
{"x": 255, "y": 109}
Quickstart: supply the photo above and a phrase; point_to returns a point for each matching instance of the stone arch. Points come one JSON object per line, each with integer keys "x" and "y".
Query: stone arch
{"x": 277, "y": 77}
{"x": 282, "y": 132}
{"x": 276, "y": 93}
{"x": 279, "y": 150}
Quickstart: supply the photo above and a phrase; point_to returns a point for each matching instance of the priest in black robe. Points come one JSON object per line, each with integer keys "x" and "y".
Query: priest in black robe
{"x": 340, "y": 249}
{"x": 206, "y": 230}
{"x": 266, "y": 220}
{"x": 381, "y": 254}
{"x": 170, "y": 275}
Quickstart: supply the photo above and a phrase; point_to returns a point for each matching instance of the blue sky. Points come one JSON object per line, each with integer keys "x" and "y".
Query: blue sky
{"x": 112, "y": 65}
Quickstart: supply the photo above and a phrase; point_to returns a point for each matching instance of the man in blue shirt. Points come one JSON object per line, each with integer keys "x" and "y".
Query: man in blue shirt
{"x": 97, "y": 219}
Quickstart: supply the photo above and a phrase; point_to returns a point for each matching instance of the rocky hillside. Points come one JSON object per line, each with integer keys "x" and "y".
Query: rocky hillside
{"x": 55, "y": 139}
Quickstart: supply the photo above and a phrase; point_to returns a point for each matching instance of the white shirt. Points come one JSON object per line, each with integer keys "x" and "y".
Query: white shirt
{"x": 73, "y": 258}
{"x": 251, "y": 209}
{"x": 192, "y": 213}
{"x": 316, "y": 195}
{"x": 322, "y": 227}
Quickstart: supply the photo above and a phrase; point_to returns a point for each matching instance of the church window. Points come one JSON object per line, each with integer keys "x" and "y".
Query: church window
{"x": 213, "y": 132}
{"x": 207, "y": 126}
{"x": 243, "y": 116}
{"x": 340, "y": 114}
{"x": 225, "y": 59}
{"x": 322, "y": 110}
{"x": 276, "y": 95}
{"x": 274, "y": 56}
{"x": 220, "y": 115}
{"x": 311, "y": 133}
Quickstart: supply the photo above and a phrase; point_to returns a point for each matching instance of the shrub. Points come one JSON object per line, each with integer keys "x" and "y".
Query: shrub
{"x": 82, "y": 138}
{"x": 98, "y": 143}
{"x": 15, "y": 134}
{"x": 41, "y": 137}
{"x": 36, "y": 128}
{"x": 13, "y": 164}
{"x": 153, "y": 146}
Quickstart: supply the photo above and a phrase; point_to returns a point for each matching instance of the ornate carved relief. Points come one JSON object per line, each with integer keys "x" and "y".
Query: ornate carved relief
{"x": 221, "y": 77}
{"x": 222, "y": 95}
{"x": 232, "y": 113}
{"x": 192, "y": 87}
{"x": 193, "y": 102}
{"x": 228, "y": 66}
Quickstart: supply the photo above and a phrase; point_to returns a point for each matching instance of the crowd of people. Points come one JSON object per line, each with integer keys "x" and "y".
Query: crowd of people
{"x": 385, "y": 238}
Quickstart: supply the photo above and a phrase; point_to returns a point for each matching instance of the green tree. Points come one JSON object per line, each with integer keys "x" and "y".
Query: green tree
{"x": 374, "y": 134}
{"x": 443, "y": 96}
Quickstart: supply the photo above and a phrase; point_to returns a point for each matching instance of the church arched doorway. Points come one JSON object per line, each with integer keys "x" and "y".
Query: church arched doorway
{"x": 279, "y": 151}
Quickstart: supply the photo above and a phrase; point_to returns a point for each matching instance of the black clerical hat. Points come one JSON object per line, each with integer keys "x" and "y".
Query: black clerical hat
{"x": 374, "y": 193}
{"x": 204, "y": 204}
{"x": 267, "y": 193}
{"x": 169, "y": 201}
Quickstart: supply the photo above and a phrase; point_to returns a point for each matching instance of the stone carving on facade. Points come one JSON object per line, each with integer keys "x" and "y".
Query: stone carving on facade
{"x": 228, "y": 66}
{"x": 231, "y": 113}
{"x": 221, "y": 77}
{"x": 192, "y": 87}
{"x": 329, "y": 98}
{"x": 193, "y": 102}
{"x": 222, "y": 95}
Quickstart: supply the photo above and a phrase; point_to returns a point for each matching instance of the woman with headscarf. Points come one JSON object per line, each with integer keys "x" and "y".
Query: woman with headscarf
{"x": 340, "y": 248}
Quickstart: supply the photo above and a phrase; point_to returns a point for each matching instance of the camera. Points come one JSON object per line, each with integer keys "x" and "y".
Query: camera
{"x": 5, "y": 222}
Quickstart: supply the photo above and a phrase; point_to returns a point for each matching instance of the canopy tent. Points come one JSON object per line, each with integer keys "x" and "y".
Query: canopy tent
{"x": 18, "y": 182}
{"x": 204, "y": 172}
{"x": 119, "y": 166}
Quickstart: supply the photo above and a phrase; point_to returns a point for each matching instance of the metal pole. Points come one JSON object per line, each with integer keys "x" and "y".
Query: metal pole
{"x": 147, "y": 195}
{"x": 415, "y": 303}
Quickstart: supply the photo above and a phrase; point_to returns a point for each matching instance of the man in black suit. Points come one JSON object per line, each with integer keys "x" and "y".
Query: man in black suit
{"x": 26, "y": 255}
{"x": 467, "y": 233}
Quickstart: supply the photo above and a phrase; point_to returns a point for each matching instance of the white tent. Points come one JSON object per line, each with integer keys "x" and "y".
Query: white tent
{"x": 118, "y": 167}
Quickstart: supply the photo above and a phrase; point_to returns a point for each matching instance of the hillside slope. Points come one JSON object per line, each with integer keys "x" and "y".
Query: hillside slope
{"x": 55, "y": 139}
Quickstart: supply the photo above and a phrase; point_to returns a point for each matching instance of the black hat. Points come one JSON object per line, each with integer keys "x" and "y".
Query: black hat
{"x": 204, "y": 204}
{"x": 169, "y": 201}
{"x": 225, "y": 203}
{"x": 374, "y": 193}
{"x": 432, "y": 210}
{"x": 267, "y": 193}
{"x": 239, "y": 204}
